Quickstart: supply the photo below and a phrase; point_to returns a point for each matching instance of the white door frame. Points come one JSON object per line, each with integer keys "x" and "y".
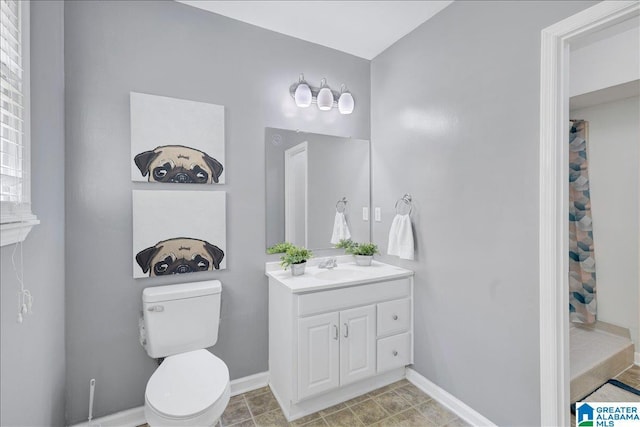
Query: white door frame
{"x": 289, "y": 219}
{"x": 554, "y": 184}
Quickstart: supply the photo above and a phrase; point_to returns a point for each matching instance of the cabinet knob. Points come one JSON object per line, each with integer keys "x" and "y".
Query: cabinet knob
{"x": 395, "y": 353}
{"x": 394, "y": 317}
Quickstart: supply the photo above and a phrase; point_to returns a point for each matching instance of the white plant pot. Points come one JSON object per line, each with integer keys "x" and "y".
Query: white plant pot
{"x": 364, "y": 259}
{"x": 298, "y": 269}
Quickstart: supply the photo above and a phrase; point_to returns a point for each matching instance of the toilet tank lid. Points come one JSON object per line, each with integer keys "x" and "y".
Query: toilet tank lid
{"x": 183, "y": 290}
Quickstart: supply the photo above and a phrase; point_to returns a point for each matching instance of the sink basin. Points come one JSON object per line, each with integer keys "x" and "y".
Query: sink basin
{"x": 338, "y": 274}
{"x": 347, "y": 273}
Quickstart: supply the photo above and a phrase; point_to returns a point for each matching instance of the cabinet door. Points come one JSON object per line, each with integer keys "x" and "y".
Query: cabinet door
{"x": 318, "y": 354}
{"x": 357, "y": 344}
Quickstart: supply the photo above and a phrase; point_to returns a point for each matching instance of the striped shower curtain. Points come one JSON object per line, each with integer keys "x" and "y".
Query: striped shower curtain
{"x": 582, "y": 264}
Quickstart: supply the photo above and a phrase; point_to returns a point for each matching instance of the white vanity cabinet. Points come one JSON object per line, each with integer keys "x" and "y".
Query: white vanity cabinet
{"x": 335, "y": 349}
{"x": 330, "y": 341}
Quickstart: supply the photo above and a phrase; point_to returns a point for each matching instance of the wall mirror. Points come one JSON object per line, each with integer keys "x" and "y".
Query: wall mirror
{"x": 315, "y": 185}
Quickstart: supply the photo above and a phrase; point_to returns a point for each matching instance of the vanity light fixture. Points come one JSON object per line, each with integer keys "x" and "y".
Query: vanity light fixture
{"x": 324, "y": 97}
{"x": 302, "y": 93}
{"x": 345, "y": 102}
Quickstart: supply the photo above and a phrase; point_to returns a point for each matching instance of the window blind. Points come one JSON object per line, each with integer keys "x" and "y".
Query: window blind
{"x": 11, "y": 103}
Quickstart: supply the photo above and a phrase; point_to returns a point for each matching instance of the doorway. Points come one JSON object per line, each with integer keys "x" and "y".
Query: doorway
{"x": 553, "y": 232}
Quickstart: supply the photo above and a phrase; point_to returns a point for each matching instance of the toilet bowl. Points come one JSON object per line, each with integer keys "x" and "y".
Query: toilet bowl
{"x": 191, "y": 386}
{"x": 187, "y": 389}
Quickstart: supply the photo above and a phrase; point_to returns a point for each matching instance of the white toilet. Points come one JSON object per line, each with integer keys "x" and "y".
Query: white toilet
{"x": 191, "y": 386}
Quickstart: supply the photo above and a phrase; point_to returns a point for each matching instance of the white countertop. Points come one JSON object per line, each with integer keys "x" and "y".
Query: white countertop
{"x": 347, "y": 273}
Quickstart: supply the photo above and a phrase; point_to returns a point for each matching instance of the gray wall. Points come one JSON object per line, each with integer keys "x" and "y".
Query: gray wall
{"x": 455, "y": 119}
{"x": 32, "y": 354}
{"x": 338, "y": 167}
{"x": 171, "y": 49}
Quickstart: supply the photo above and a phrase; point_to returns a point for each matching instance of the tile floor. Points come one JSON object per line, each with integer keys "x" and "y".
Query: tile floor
{"x": 398, "y": 404}
{"x": 630, "y": 377}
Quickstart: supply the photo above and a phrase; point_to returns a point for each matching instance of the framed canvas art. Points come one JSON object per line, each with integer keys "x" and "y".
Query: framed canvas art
{"x": 176, "y": 140}
{"x": 177, "y": 232}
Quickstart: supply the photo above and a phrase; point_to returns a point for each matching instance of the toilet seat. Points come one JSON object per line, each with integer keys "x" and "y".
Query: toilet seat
{"x": 186, "y": 387}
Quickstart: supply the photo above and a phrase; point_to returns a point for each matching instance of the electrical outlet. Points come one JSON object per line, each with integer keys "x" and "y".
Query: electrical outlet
{"x": 378, "y": 215}
{"x": 365, "y": 213}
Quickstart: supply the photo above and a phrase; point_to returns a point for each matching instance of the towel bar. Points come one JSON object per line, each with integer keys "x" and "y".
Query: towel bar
{"x": 341, "y": 205}
{"x": 406, "y": 201}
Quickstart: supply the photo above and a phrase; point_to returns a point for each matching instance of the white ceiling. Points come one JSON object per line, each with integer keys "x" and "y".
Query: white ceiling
{"x": 361, "y": 28}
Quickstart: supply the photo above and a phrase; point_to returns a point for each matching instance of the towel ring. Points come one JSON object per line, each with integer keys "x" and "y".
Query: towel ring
{"x": 406, "y": 201}
{"x": 341, "y": 205}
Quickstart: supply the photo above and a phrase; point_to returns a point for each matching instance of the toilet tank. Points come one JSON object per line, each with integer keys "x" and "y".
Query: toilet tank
{"x": 180, "y": 318}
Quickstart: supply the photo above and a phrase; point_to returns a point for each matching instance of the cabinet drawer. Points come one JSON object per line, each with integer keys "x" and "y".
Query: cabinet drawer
{"x": 394, "y": 317}
{"x": 352, "y": 296}
{"x": 394, "y": 352}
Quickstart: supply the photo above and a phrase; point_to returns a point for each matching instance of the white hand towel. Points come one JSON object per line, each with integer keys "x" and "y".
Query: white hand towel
{"x": 340, "y": 229}
{"x": 401, "y": 237}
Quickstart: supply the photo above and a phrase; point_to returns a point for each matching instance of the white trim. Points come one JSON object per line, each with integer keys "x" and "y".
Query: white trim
{"x": 456, "y": 405}
{"x": 16, "y": 219}
{"x": 128, "y": 418}
{"x": 10, "y": 210}
{"x": 553, "y": 233}
{"x": 636, "y": 359}
{"x": 252, "y": 382}
{"x": 15, "y": 232}
{"x": 135, "y": 416}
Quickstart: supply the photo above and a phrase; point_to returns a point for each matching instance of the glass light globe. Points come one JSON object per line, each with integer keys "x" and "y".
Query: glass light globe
{"x": 325, "y": 99}
{"x": 346, "y": 103}
{"x": 302, "y": 95}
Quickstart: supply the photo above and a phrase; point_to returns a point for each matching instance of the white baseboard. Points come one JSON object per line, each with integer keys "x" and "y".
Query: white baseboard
{"x": 129, "y": 418}
{"x": 135, "y": 416}
{"x": 252, "y": 382}
{"x": 636, "y": 359}
{"x": 457, "y": 406}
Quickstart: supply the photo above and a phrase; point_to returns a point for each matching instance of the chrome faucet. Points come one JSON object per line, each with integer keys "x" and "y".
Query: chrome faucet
{"x": 328, "y": 263}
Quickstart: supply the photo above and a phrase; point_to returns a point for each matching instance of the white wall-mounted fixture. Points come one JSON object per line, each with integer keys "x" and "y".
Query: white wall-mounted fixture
{"x": 345, "y": 101}
{"x": 324, "y": 97}
{"x": 302, "y": 93}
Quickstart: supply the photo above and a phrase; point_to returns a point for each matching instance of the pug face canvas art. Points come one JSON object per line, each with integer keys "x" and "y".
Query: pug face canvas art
{"x": 176, "y": 140}
{"x": 178, "y": 164}
{"x": 178, "y": 231}
{"x": 178, "y": 256}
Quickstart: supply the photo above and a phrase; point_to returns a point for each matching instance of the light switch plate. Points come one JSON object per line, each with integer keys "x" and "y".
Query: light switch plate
{"x": 378, "y": 215}
{"x": 365, "y": 213}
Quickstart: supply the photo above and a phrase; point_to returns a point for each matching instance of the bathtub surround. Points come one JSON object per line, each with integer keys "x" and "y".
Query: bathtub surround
{"x": 32, "y": 354}
{"x": 171, "y": 49}
{"x": 455, "y": 107}
{"x": 614, "y": 168}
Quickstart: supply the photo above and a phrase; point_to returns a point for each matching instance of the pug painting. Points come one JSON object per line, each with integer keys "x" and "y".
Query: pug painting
{"x": 179, "y": 164}
{"x": 178, "y": 256}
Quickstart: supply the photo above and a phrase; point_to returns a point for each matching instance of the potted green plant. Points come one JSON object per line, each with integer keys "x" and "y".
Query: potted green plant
{"x": 296, "y": 257}
{"x": 345, "y": 244}
{"x": 279, "y": 248}
{"x": 363, "y": 252}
